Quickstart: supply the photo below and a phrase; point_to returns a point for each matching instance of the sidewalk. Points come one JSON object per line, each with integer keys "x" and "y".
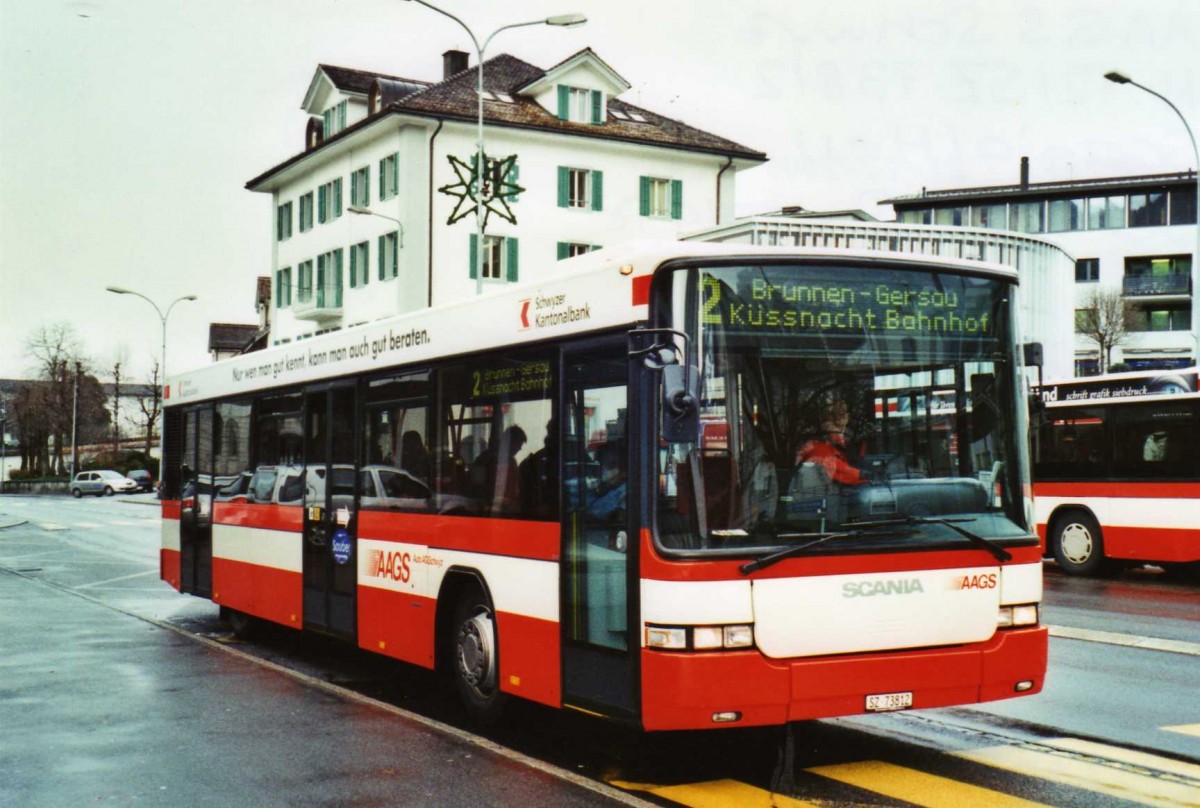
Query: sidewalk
{"x": 101, "y": 706}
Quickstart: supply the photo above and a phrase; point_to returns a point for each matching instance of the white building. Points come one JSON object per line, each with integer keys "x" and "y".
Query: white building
{"x": 593, "y": 169}
{"x": 1133, "y": 234}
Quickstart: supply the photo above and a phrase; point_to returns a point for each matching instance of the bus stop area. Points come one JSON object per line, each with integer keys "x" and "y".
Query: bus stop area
{"x": 102, "y": 707}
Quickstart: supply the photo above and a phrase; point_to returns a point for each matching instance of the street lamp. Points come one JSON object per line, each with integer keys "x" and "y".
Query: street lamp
{"x": 1120, "y": 78}
{"x": 161, "y": 316}
{"x": 560, "y": 20}
{"x": 361, "y": 211}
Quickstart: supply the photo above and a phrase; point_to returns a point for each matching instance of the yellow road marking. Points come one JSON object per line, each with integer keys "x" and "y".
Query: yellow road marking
{"x": 716, "y": 794}
{"x": 1124, "y": 783}
{"x": 916, "y": 787}
{"x": 1186, "y": 729}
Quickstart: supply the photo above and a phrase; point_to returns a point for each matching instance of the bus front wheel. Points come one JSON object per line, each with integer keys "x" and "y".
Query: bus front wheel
{"x": 474, "y": 662}
{"x": 1079, "y": 545}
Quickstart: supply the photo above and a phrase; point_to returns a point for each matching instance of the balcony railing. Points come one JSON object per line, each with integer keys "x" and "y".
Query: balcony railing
{"x": 319, "y": 303}
{"x": 1149, "y": 285}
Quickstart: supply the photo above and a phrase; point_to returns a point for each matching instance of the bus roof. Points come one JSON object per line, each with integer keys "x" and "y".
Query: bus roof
{"x": 604, "y": 289}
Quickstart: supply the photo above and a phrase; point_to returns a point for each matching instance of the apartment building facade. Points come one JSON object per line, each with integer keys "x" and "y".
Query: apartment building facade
{"x": 1135, "y": 235}
{"x": 371, "y": 219}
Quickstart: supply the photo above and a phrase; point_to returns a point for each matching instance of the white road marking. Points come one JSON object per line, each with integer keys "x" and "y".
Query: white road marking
{"x": 1127, "y": 640}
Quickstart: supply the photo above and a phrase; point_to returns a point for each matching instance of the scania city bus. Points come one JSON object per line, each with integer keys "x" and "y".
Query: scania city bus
{"x": 611, "y": 491}
{"x": 1117, "y": 472}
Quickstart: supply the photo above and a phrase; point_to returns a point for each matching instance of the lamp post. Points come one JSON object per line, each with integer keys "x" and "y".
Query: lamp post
{"x": 161, "y": 316}
{"x": 361, "y": 211}
{"x": 560, "y": 20}
{"x": 1120, "y": 78}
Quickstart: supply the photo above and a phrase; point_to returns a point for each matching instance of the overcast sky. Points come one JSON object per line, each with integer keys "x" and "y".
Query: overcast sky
{"x": 128, "y": 128}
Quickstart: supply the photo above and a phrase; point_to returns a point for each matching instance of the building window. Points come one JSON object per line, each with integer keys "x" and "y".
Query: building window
{"x": 956, "y": 217}
{"x": 993, "y": 217}
{"x": 1148, "y": 210}
{"x": 1160, "y": 275}
{"x": 918, "y": 216}
{"x": 334, "y": 119}
{"x": 1183, "y": 206}
{"x": 1163, "y": 318}
{"x": 1106, "y": 212}
{"x": 360, "y": 187}
{"x": 283, "y": 222}
{"x": 1028, "y": 217}
{"x": 306, "y": 212}
{"x": 1065, "y": 214}
{"x": 389, "y": 176}
{"x": 329, "y": 279}
{"x": 304, "y": 286}
{"x": 389, "y": 256}
{"x": 570, "y": 249}
{"x": 283, "y": 288}
{"x": 579, "y": 105}
{"x": 359, "y": 265}
{"x": 581, "y": 189}
{"x": 659, "y": 198}
{"x": 329, "y": 201}
{"x": 1087, "y": 270}
{"x": 499, "y": 258}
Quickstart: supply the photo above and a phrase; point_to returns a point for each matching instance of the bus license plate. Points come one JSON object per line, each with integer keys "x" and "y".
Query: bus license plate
{"x": 882, "y": 702}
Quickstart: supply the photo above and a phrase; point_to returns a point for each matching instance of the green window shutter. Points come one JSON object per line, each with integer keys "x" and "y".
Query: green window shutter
{"x": 287, "y": 277}
{"x": 337, "y": 276}
{"x": 644, "y": 196}
{"x": 364, "y": 261}
{"x": 354, "y": 188}
{"x": 676, "y": 199}
{"x": 564, "y": 182}
{"x": 395, "y": 173}
{"x": 322, "y": 202}
{"x": 597, "y": 98}
{"x": 597, "y": 190}
{"x": 395, "y": 256}
{"x": 564, "y": 101}
{"x": 563, "y": 250}
{"x": 381, "y": 252}
{"x": 337, "y": 197}
{"x": 474, "y": 255}
{"x": 279, "y": 289}
{"x": 320, "y": 281}
{"x": 353, "y": 265}
{"x": 382, "y": 165}
{"x": 342, "y": 115}
{"x": 366, "y": 186}
{"x": 510, "y": 245}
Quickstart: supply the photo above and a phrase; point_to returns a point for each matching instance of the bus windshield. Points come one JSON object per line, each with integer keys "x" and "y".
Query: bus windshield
{"x": 873, "y": 401}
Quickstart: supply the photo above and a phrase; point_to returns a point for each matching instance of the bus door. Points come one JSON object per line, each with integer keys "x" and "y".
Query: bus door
{"x": 599, "y": 644}
{"x": 196, "y": 493}
{"x": 330, "y": 510}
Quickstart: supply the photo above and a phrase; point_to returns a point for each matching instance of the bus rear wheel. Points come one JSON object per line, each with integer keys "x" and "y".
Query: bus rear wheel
{"x": 244, "y": 626}
{"x": 1079, "y": 545}
{"x": 474, "y": 664}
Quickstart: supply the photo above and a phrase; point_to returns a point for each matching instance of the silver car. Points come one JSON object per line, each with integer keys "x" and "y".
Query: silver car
{"x": 101, "y": 483}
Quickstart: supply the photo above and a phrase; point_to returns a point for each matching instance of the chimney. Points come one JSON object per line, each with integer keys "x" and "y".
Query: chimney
{"x": 453, "y": 63}
{"x": 1024, "y": 173}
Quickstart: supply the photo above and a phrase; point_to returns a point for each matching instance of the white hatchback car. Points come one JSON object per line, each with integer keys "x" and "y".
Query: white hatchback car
{"x": 102, "y": 483}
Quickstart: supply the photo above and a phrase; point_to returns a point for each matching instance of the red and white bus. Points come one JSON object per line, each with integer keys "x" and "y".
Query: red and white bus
{"x": 586, "y": 492}
{"x": 1116, "y": 470}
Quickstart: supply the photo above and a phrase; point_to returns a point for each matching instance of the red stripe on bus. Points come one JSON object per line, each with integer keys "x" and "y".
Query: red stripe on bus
{"x": 656, "y": 567}
{"x": 170, "y": 509}
{"x": 289, "y": 518}
{"x": 517, "y": 538}
{"x": 530, "y": 658}
{"x": 168, "y": 566}
{"x": 683, "y": 690}
{"x": 1130, "y": 489}
{"x": 397, "y": 624}
{"x": 1139, "y": 543}
{"x": 266, "y": 592}
{"x": 641, "y": 289}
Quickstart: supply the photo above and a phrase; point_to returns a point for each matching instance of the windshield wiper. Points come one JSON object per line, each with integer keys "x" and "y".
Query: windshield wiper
{"x": 872, "y": 529}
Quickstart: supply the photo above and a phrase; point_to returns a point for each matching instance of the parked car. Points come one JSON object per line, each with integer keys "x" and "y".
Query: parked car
{"x": 143, "y": 479}
{"x": 101, "y": 483}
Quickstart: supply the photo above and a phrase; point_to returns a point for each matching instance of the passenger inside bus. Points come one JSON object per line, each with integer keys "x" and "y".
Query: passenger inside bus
{"x": 495, "y": 478}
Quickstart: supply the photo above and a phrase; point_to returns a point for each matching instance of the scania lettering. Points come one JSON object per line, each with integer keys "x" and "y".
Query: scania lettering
{"x": 676, "y": 486}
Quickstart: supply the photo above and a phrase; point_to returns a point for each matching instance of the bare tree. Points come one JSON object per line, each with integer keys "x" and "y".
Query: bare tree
{"x": 1108, "y": 320}
{"x": 150, "y": 405}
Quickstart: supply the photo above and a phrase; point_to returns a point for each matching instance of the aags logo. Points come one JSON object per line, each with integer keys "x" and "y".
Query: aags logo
{"x": 392, "y": 565}
{"x": 987, "y": 581}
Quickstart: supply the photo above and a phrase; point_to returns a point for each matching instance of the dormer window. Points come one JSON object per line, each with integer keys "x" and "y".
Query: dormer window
{"x": 503, "y": 98}
{"x": 335, "y": 119}
{"x": 623, "y": 115}
{"x": 579, "y": 105}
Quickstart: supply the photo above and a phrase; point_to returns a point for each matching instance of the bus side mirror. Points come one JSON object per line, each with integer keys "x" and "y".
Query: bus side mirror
{"x": 1034, "y": 356}
{"x": 681, "y": 414}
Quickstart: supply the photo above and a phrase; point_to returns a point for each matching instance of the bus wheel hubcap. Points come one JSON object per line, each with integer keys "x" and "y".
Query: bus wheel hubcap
{"x": 1077, "y": 544}
{"x": 476, "y": 653}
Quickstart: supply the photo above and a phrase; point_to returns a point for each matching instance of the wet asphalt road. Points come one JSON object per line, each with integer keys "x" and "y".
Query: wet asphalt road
{"x": 87, "y": 571}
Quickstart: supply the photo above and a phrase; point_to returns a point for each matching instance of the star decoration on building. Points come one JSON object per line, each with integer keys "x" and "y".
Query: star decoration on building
{"x": 498, "y": 188}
